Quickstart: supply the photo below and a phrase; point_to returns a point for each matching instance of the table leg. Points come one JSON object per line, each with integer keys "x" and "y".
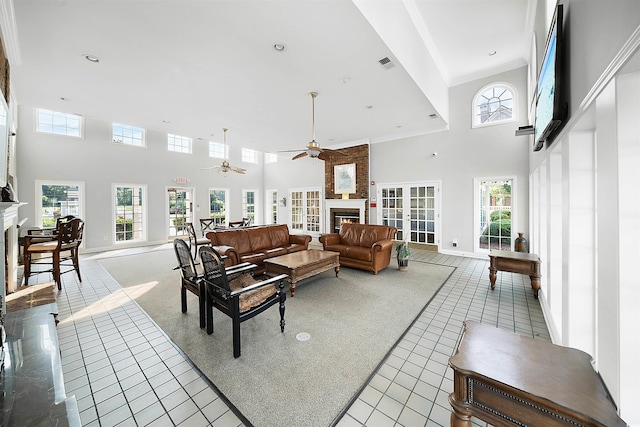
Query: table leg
{"x": 292, "y": 288}
{"x": 337, "y": 270}
{"x": 492, "y": 273}
{"x": 459, "y": 420}
{"x": 535, "y": 284}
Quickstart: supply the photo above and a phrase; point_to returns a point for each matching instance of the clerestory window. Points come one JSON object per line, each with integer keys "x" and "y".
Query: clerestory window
{"x": 59, "y": 123}
{"x": 180, "y": 144}
{"x": 128, "y": 135}
{"x": 494, "y": 104}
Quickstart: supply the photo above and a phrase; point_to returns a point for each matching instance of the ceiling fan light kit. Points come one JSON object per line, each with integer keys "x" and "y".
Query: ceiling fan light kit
{"x": 225, "y": 166}
{"x": 313, "y": 149}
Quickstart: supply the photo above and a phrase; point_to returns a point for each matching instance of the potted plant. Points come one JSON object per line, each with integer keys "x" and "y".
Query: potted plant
{"x": 403, "y": 251}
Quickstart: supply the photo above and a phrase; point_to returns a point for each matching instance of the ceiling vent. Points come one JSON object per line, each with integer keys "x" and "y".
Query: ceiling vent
{"x": 386, "y": 63}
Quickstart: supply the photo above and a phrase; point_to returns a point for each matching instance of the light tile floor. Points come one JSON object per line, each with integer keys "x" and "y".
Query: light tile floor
{"x": 125, "y": 371}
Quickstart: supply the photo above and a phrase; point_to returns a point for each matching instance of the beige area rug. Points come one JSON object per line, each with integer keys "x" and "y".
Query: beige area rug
{"x": 353, "y": 321}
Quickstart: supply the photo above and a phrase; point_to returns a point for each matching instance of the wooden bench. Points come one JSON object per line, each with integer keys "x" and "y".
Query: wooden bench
{"x": 515, "y": 262}
{"x": 507, "y": 379}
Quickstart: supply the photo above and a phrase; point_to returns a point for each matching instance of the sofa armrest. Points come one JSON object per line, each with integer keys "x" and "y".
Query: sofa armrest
{"x": 231, "y": 254}
{"x": 330, "y": 239}
{"x": 300, "y": 239}
{"x": 382, "y": 245}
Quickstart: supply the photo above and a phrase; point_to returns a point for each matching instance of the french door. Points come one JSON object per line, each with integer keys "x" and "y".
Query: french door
{"x": 414, "y": 209}
{"x": 306, "y": 211}
{"x": 180, "y": 207}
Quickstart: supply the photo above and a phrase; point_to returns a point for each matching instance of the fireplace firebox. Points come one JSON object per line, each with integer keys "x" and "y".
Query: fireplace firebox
{"x": 343, "y": 215}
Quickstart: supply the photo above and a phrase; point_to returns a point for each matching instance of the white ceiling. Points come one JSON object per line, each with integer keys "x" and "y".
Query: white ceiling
{"x": 202, "y": 65}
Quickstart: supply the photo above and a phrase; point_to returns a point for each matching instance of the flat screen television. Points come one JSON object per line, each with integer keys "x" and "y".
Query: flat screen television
{"x": 550, "y": 97}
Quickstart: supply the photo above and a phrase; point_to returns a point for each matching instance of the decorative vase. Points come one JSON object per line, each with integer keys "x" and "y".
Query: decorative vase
{"x": 521, "y": 243}
{"x": 403, "y": 264}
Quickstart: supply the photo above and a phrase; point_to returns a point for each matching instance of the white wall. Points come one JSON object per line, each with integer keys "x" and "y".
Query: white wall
{"x": 586, "y": 209}
{"x": 464, "y": 153}
{"x": 99, "y": 163}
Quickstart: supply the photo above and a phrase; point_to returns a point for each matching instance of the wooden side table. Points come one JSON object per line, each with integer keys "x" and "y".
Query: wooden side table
{"x": 506, "y": 379}
{"x": 515, "y": 262}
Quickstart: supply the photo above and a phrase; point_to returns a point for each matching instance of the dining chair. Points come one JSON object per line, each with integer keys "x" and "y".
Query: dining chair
{"x": 59, "y": 251}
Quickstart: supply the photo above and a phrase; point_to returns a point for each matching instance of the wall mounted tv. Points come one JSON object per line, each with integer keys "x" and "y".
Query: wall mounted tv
{"x": 551, "y": 104}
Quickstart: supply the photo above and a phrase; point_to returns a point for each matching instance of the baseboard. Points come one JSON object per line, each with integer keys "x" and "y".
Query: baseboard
{"x": 464, "y": 254}
{"x": 123, "y": 246}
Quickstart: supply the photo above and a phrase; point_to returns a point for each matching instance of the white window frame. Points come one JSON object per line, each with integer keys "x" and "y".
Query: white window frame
{"x": 218, "y": 150}
{"x": 270, "y": 158}
{"x": 514, "y": 109}
{"x": 226, "y": 203}
{"x": 61, "y": 121}
{"x": 305, "y": 227}
{"x": 129, "y": 134}
{"x": 179, "y": 144}
{"x": 476, "y": 209}
{"x": 143, "y": 214}
{"x": 271, "y": 207}
{"x": 256, "y": 204}
{"x": 249, "y": 155}
{"x": 38, "y": 193}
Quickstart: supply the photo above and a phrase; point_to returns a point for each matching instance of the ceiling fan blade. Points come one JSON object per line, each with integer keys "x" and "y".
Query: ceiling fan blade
{"x": 288, "y": 151}
{"x": 212, "y": 167}
{"x": 304, "y": 153}
{"x": 237, "y": 170}
{"x": 326, "y": 154}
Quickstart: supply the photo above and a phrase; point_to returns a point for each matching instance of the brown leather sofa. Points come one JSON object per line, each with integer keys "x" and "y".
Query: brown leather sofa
{"x": 255, "y": 244}
{"x": 363, "y": 246}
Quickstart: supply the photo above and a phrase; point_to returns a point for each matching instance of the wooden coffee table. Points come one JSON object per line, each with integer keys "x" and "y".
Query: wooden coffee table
{"x": 301, "y": 265}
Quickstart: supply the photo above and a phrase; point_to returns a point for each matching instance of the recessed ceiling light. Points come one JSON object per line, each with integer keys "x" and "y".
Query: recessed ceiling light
{"x": 91, "y": 58}
{"x": 399, "y": 126}
{"x": 433, "y": 115}
{"x": 369, "y": 107}
{"x": 345, "y": 80}
{"x": 493, "y": 52}
{"x": 166, "y": 121}
{"x": 280, "y": 47}
{"x": 62, "y": 98}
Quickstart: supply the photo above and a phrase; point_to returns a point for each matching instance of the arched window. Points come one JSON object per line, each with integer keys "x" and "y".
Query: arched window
{"x": 494, "y": 104}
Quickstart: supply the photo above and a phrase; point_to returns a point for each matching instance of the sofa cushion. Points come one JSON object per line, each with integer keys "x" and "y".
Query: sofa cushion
{"x": 359, "y": 253}
{"x": 279, "y": 235}
{"x": 350, "y": 235}
{"x": 295, "y": 247}
{"x": 341, "y": 249}
{"x": 270, "y": 253}
{"x": 370, "y": 235}
{"x": 259, "y": 238}
{"x": 256, "y": 258}
{"x": 235, "y": 238}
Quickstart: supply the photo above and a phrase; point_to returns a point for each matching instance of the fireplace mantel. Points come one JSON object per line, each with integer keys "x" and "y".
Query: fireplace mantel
{"x": 9, "y": 219}
{"x": 342, "y": 204}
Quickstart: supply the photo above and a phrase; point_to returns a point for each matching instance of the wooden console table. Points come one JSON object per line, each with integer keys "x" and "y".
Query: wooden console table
{"x": 515, "y": 262}
{"x": 506, "y": 379}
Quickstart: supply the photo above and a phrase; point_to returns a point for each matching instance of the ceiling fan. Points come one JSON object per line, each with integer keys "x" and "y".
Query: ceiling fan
{"x": 313, "y": 149}
{"x": 225, "y": 166}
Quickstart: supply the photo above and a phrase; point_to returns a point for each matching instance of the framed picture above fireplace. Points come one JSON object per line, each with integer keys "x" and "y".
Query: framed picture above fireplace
{"x": 344, "y": 177}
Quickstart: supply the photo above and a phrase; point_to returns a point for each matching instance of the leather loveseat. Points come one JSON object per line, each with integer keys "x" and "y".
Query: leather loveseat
{"x": 363, "y": 246}
{"x": 255, "y": 244}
